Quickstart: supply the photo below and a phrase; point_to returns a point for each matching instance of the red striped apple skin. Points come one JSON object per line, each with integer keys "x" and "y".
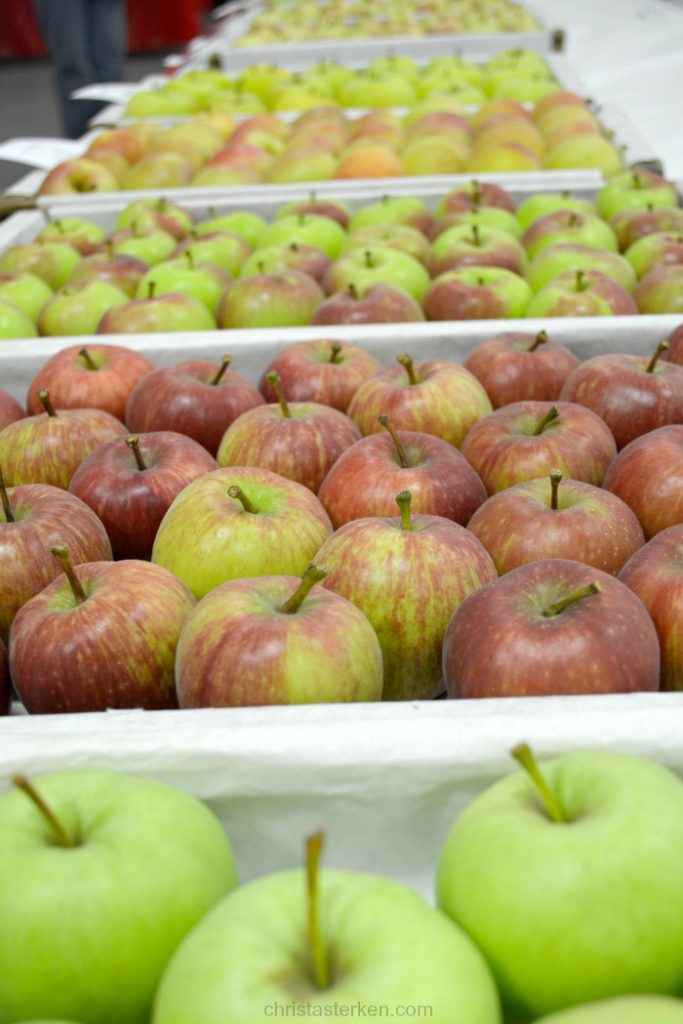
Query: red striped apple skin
{"x": 503, "y": 449}
{"x": 308, "y": 373}
{"x": 10, "y": 410}
{"x": 44, "y": 517}
{"x": 648, "y": 475}
{"x": 655, "y": 574}
{"x": 510, "y": 372}
{"x": 5, "y": 692}
{"x": 238, "y": 649}
{"x": 115, "y": 650}
{"x": 408, "y": 583}
{"x": 500, "y": 644}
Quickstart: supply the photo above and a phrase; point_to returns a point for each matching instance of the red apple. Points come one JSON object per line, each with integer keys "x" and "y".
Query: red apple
{"x": 632, "y": 394}
{"x": 477, "y": 293}
{"x": 661, "y": 291}
{"x": 288, "y": 299}
{"x": 82, "y": 175}
{"x": 514, "y": 367}
{"x": 378, "y": 304}
{"x": 674, "y": 353}
{"x": 333, "y": 209}
{"x": 476, "y": 245}
{"x": 172, "y": 311}
{"x": 551, "y": 627}
{"x": 328, "y": 372}
{"x": 125, "y": 272}
{"x": 5, "y": 685}
{"x": 648, "y": 475}
{"x": 10, "y": 410}
{"x": 277, "y": 259}
{"x": 582, "y": 293}
{"x": 568, "y": 227}
{"x": 131, "y": 482}
{"x": 630, "y": 225}
{"x": 474, "y": 194}
{"x": 529, "y": 439}
{"x": 194, "y": 397}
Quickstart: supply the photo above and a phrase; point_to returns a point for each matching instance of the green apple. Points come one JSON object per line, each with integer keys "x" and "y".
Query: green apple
{"x": 477, "y": 293}
{"x": 225, "y": 249}
{"x": 202, "y": 281}
{"x": 83, "y": 234}
{"x": 51, "y": 261}
{"x": 548, "y": 202}
{"x": 151, "y": 245}
{"x": 435, "y": 154}
{"x": 568, "y": 226}
{"x": 388, "y": 90}
{"x": 639, "y": 190}
{"x": 161, "y": 103}
{"x": 247, "y": 225}
{"x": 306, "y": 229}
{"x": 99, "y": 885}
{"x": 392, "y": 210}
{"x": 483, "y": 217}
{"x": 378, "y": 265}
{"x": 557, "y": 259}
{"x": 568, "y": 881}
{"x": 586, "y": 151}
{"x": 393, "y": 236}
{"x": 629, "y": 1010}
{"x": 14, "y": 323}
{"x": 656, "y": 249}
{"x": 26, "y": 291}
{"x": 78, "y": 308}
{"x": 147, "y": 213}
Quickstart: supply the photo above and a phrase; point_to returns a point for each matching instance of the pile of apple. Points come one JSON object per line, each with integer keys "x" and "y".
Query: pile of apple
{"x": 558, "y": 893}
{"x": 436, "y": 137}
{"x": 524, "y": 482}
{"x": 389, "y": 81}
{"x": 296, "y": 21}
{"x": 319, "y": 262}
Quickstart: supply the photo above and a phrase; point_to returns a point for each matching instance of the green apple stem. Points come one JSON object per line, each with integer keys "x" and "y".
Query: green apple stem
{"x": 406, "y": 362}
{"x": 309, "y": 579}
{"x": 110, "y": 249}
{"x": 524, "y": 756}
{"x": 190, "y": 259}
{"x": 216, "y": 62}
{"x": 62, "y": 555}
{"x": 476, "y": 194}
{"x": 222, "y": 369}
{"x": 133, "y": 442}
{"x": 573, "y": 219}
{"x": 637, "y": 180}
{"x": 353, "y": 291}
{"x": 580, "y": 284}
{"x": 236, "y": 492}
{"x": 275, "y": 382}
{"x": 151, "y": 288}
{"x": 90, "y": 363}
{"x": 335, "y": 351}
{"x": 403, "y": 501}
{"x": 476, "y": 237}
{"x": 44, "y": 399}
{"x": 400, "y": 450}
{"x": 550, "y": 417}
{"x": 540, "y": 339}
{"x": 576, "y": 595}
{"x": 369, "y": 261}
{"x": 4, "y": 497}
{"x": 321, "y": 968}
{"x": 59, "y": 831}
{"x": 662, "y": 347}
{"x": 555, "y": 478}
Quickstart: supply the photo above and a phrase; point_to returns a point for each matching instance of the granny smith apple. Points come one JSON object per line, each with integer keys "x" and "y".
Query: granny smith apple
{"x": 14, "y": 323}
{"x": 629, "y": 1010}
{"x": 637, "y": 189}
{"x": 25, "y": 291}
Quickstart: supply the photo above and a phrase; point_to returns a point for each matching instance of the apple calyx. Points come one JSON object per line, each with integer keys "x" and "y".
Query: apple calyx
{"x": 662, "y": 347}
{"x": 552, "y": 414}
{"x": 524, "y": 756}
{"x": 406, "y": 362}
{"x": 540, "y": 339}
{"x": 580, "y": 282}
{"x": 59, "y": 831}
{"x": 275, "y": 382}
{"x": 555, "y": 478}
{"x": 403, "y": 500}
{"x": 62, "y": 555}
{"x": 4, "y": 498}
{"x": 398, "y": 443}
{"x": 576, "y": 595}
{"x": 573, "y": 219}
{"x": 44, "y": 399}
{"x": 247, "y": 505}
{"x": 87, "y": 360}
{"x": 309, "y": 579}
{"x": 335, "y": 351}
{"x": 220, "y": 372}
{"x": 321, "y": 969}
{"x": 133, "y": 442}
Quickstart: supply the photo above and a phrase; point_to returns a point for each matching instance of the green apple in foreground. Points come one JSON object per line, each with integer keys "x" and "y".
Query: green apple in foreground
{"x": 629, "y": 1010}
{"x": 569, "y": 882}
{"x": 97, "y": 889}
{"x": 324, "y": 945}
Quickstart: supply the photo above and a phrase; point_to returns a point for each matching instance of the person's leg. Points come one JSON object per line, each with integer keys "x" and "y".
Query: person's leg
{"x": 64, "y": 27}
{"x": 107, "y": 34}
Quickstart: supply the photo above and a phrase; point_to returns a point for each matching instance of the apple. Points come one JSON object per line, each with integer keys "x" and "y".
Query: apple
{"x": 632, "y": 394}
{"x": 557, "y": 518}
{"x": 118, "y": 140}
{"x": 306, "y": 229}
{"x": 435, "y": 154}
{"x": 542, "y": 203}
{"x": 474, "y": 194}
{"x": 287, "y": 299}
{"x": 51, "y": 261}
{"x": 249, "y": 226}
{"x": 204, "y": 281}
{"x": 14, "y": 323}
{"x": 648, "y": 475}
{"x": 582, "y": 293}
{"x": 631, "y": 224}
{"x": 471, "y": 245}
{"x": 407, "y": 574}
{"x": 32, "y": 519}
{"x": 661, "y": 290}
{"x": 225, "y": 249}
{"x": 481, "y": 216}
{"x": 627, "y": 1010}
{"x": 25, "y": 291}
{"x": 549, "y": 263}
{"x": 81, "y": 175}
{"x": 170, "y": 312}
{"x": 674, "y": 352}
{"x": 409, "y": 210}
{"x": 637, "y": 189}
{"x": 433, "y": 396}
{"x": 78, "y": 308}
{"x": 393, "y": 236}
{"x": 10, "y": 410}
{"x": 568, "y": 227}
{"x": 125, "y": 272}
{"x": 328, "y": 372}
{"x": 379, "y": 265}
{"x": 149, "y": 244}
{"x": 369, "y": 160}
{"x": 299, "y": 440}
{"x": 131, "y": 482}
{"x": 194, "y": 398}
{"x": 225, "y": 175}
{"x": 84, "y": 235}
{"x": 376, "y": 304}
{"x": 477, "y": 293}
{"x": 158, "y": 170}
{"x": 159, "y": 213}
{"x": 277, "y": 259}
{"x": 5, "y": 684}
{"x": 659, "y": 249}
{"x": 528, "y": 439}
{"x": 587, "y": 150}
{"x": 240, "y": 522}
{"x": 138, "y": 863}
{"x": 49, "y": 448}
{"x": 514, "y": 366}
{"x": 333, "y": 208}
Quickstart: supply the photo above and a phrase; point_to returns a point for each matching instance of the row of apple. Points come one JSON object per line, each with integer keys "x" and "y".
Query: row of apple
{"x": 158, "y": 270}
{"x": 436, "y": 137}
{"x": 388, "y": 81}
{"x": 140, "y": 878}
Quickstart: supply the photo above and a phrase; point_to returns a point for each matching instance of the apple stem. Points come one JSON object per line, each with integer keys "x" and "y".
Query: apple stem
{"x": 90, "y": 363}
{"x": 222, "y": 369}
{"x": 4, "y": 497}
{"x": 62, "y": 555}
{"x": 406, "y": 362}
{"x": 236, "y": 492}
{"x": 662, "y": 347}
{"x": 335, "y": 351}
{"x": 190, "y": 259}
{"x": 261, "y": 267}
{"x": 275, "y": 382}
{"x": 133, "y": 442}
{"x": 550, "y": 417}
{"x": 294, "y": 247}
{"x": 44, "y": 399}
{"x": 321, "y": 971}
{"x": 309, "y": 579}
{"x": 151, "y": 288}
{"x": 369, "y": 261}
{"x": 110, "y": 249}
{"x": 353, "y": 291}
{"x": 58, "y": 829}
{"x": 576, "y": 595}
{"x": 540, "y": 339}
{"x": 403, "y": 501}
{"x": 476, "y": 237}
{"x": 400, "y": 450}
{"x": 580, "y": 284}
{"x": 555, "y": 478}
{"x": 637, "y": 181}
{"x": 476, "y": 194}
{"x": 524, "y": 756}
{"x": 572, "y": 219}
